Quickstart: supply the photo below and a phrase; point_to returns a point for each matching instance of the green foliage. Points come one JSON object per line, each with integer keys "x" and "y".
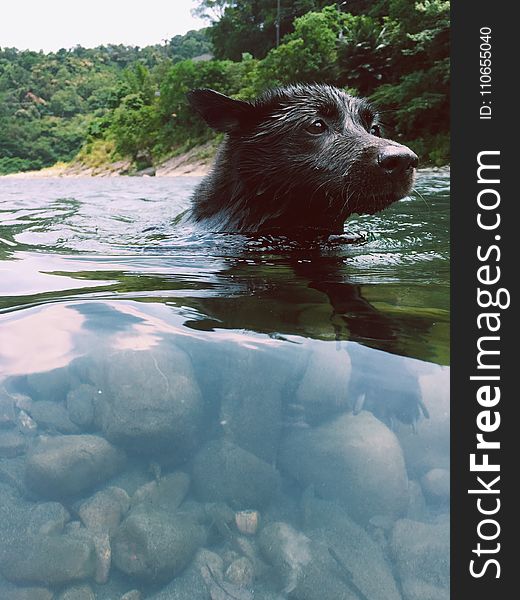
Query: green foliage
{"x": 53, "y": 104}
{"x": 250, "y": 25}
{"x": 308, "y": 54}
{"x": 179, "y": 123}
{"x": 118, "y": 101}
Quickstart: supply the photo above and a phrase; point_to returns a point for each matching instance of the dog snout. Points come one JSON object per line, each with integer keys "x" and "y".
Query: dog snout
{"x": 395, "y": 160}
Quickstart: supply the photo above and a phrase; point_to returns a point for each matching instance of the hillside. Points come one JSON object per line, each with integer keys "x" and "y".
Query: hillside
{"x": 117, "y": 103}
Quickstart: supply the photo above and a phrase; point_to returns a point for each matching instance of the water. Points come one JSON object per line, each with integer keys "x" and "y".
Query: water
{"x": 162, "y": 388}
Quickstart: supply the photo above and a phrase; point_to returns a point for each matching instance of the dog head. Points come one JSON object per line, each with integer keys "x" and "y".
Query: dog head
{"x": 312, "y": 142}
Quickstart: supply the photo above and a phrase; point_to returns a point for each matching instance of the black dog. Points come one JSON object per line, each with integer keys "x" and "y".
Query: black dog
{"x": 299, "y": 157}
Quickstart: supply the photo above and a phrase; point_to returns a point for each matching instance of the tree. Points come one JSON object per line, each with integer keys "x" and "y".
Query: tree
{"x": 309, "y": 54}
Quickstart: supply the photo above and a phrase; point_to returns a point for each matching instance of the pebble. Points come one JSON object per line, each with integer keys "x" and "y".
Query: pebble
{"x": 241, "y": 572}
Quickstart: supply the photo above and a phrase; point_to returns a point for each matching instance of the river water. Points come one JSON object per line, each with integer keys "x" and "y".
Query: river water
{"x": 195, "y": 416}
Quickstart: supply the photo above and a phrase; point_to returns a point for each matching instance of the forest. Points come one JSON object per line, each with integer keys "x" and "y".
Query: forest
{"x": 98, "y": 105}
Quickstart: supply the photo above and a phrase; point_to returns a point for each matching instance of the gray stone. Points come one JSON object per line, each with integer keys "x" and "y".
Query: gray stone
{"x": 241, "y": 572}
{"x": 220, "y": 589}
{"x": 135, "y": 475}
{"x": 80, "y": 405}
{"x": 155, "y": 546}
{"x": 323, "y": 388}
{"x": 52, "y": 416}
{"x": 417, "y": 508}
{"x": 132, "y": 595}
{"x": 47, "y": 518}
{"x": 49, "y": 385}
{"x": 29, "y": 593}
{"x": 78, "y": 592}
{"x": 13, "y": 513}
{"x": 220, "y": 518}
{"x": 12, "y": 472}
{"x": 355, "y": 553}
{"x": 436, "y": 486}
{"x": 305, "y": 569}
{"x": 355, "y": 459}
{"x": 72, "y": 464}
{"x": 102, "y": 549}
{"x": 427, "y": 446}
{"x": 26, "y": 424}
{"x": 165, "y": 494}
{"x": 422, "y": 554}
{"x": 417, "y": 589}
{"x": 150, "y": 401}
{"x": 251, "y": 403}
{"x": 105, "y": 510}
{"x": 48, "y": 559}
{"x": 12, "y": 444}
{"x": 7, "y": 409}
{"x": 189, "y": 585}
{"x": 224, "y": 472}
{"x": 212, "y": 560}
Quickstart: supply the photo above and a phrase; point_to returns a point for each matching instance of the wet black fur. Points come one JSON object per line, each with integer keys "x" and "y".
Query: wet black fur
{"x": 272, "y": 174}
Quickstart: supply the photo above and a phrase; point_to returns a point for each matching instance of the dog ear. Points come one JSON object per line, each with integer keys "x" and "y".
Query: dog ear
{"x": 219, "y": 111}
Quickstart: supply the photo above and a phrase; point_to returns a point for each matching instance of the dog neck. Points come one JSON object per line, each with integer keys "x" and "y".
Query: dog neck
{"x": 229, "y": 200}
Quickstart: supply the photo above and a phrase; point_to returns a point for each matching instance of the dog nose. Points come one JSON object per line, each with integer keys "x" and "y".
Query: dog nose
{"x": 397, "y": 159}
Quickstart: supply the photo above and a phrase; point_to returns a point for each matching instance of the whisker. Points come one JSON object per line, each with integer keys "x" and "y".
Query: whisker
{"x": 416, "y": 191}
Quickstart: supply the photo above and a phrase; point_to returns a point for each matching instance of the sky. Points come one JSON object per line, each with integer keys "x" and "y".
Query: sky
{"x": 53, "y": 24}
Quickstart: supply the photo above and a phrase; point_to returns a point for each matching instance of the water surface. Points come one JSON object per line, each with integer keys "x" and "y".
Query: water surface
{"x": 306, "y": 382}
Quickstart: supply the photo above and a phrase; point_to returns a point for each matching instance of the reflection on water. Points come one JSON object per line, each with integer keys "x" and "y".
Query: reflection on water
{"x": 192, "y": 416}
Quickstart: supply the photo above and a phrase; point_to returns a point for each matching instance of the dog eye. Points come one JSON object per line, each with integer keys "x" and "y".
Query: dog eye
{"x": 375, "y": 130}
{"x": 318, "y": 126}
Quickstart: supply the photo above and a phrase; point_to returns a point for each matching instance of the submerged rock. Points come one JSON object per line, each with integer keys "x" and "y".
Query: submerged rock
{"x": 428, "y": 445}
{"x": 7, "y": 409}
{"x": 189, "y": 585}
{"x": 48, "y": 559}
{"x": 355, "y": 459}
{"x": 52, "y": 416}
{"x": 241, "y": 572}
{"x": 77, "y": 592}
{"x": 80, "y": 405}
{"x": 149, "y": 401}
{"x": 102, "y": 549}
{"x": 323, "y": 390}
{"x": 26, "y": 424}
{"x": 72, "y": 464}
{"x": 165, "y": 494}
{"x": 47, "y": 518}
{"x": 49, "y": 385}
{"x": 251, "y": 403}
{"x": 12, "y": 444}
{"x": 132, "y": 595}
{"x": 305, "y": 569}
{"x": 359, "y": 560}
{"x": 154, "y": 545}
{"x": 436, "y": 486}
{"x": 422, "y": 554}
{"x": 224, "y": 472}
{"x": 105, "y": 510}
{"x": 27, "y": 593}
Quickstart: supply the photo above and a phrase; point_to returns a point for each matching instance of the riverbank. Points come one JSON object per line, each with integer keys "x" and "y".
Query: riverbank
{"x": 196, "y": 163}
